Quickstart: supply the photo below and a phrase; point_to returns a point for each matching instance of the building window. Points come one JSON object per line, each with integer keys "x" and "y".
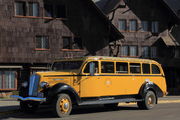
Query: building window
{"x": 20, "y": 8}
{"x": 8, "y": 80}
{"x": 145, "y": 52}
{"x": 155, "y": 27}
{"x": 153, "y": 52}
{"x": 124, "y": 51}
{"x": 133, "y": 51}
{"x": 72, "y": 43}
{"x": 67, "y": 43}
{"x": 42, "y": 42}
{"x": 133, "y": 25}
{"x": 33, "y": 9}
{"x": 144, "y": 25}
{"x": 122, "y": 25}
{"x": 57, "y": 11}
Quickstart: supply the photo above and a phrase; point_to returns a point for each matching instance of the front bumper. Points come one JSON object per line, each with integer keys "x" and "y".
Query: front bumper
{"x": 38, "y": 99}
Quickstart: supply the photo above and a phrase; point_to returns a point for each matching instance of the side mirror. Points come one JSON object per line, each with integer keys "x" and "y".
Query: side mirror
{"x": 92, "y": 68}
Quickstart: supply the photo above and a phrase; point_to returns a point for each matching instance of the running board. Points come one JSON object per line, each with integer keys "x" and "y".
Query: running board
{"x": 97, "y": 102}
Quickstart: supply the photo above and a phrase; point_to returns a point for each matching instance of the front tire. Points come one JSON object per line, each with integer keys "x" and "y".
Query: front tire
{"x": 148, "y": 102}
{"x": 62, "y": 105}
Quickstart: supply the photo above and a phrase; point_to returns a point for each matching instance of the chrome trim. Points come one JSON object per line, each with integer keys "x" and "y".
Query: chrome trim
{"x": 28, "y": 98}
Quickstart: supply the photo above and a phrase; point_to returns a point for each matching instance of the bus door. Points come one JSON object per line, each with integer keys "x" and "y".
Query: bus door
{"x": 90, "y": 85}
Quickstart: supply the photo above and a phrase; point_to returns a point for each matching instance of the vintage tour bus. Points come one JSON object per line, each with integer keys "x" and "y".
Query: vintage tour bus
{"x": 94, "y": 80}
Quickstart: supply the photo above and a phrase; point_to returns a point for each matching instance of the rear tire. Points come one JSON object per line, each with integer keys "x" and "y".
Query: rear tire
{"x": 62, "y": 105}
{"x": 148, "y": 102}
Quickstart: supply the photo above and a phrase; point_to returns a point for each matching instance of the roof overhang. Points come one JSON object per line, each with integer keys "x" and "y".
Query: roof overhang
{"x": 115, "y": 33}
{"x": 169, "y": 40}
{"x": 107, "y": 6}
{"x": 11, "y": 67}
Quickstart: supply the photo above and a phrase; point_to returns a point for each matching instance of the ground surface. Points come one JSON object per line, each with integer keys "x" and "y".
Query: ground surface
{"x": 165, "y": 111}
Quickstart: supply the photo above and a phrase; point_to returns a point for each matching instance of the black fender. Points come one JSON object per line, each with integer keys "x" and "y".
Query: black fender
{"x": 150, "y": 86}
{"x": 62, "y": 88}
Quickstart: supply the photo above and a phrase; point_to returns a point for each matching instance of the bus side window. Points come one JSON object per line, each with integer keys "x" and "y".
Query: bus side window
{"x": 135, "y": 68}
{"x": 146, "y": 68}
{"x": 121, "y": 67}
{"x": 155, "y": 69}
{"x": 86, "y": 70}
{"x": 107, "y": 67}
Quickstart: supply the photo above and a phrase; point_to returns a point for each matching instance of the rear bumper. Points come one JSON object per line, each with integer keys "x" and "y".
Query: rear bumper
{"x": 38, "y": 99}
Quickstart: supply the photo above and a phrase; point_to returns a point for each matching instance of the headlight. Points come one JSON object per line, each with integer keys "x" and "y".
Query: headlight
{"x": 44, "y": 84}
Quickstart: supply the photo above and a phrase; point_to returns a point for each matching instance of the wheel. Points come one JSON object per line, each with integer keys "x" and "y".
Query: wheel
{"x": 113, "y": 105}
{"x": 148, "y": 102}
{"x": 29, "y": 106}
{"x": 62, "y": 105}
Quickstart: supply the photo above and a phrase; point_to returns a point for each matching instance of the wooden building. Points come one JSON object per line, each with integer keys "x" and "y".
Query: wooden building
{"x": 151, "y": 31}
{"x": 33, "y": 33}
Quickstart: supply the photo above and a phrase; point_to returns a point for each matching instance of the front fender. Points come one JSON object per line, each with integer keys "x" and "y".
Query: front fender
{"x": 62, "y": 88}
{"x": 150, "y": 86}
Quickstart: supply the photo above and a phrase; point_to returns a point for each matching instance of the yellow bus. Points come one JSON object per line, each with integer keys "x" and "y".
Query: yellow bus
{"x": 95, "y": 80}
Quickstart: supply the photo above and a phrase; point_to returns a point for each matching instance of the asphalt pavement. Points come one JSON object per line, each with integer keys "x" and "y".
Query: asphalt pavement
{"x": 11, "y": 105}
{"x": 168, "y": 111}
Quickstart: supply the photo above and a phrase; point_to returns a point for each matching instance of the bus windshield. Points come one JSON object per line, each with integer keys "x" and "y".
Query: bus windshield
{"x": 66, "y": 65}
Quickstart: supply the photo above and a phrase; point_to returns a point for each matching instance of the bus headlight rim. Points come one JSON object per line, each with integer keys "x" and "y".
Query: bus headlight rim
{"x": 44, "y": 84}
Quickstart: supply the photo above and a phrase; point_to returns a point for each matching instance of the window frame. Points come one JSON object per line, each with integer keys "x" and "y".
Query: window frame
{"x": 121, "y": 72}
{"x": 149, "y": 68}
{"x": 42, "y": 49}
{"x": 144, "y": 51}
{"x": 131, "y": 46}
{"x": 122, "y": 50}
{"x": 24, "y": 10}
{"x": 155, "y": 24}
{"x": 107, "y": 62}
{"x": 135, "y": 63}
{"x": 38, "y": 5}
{"x": 4, "y": 81}
{"x": 130, "y": 25}
{"x": 125, "y": 25}
{"x": 160, "y": 71}
{"x": 85, "y": 65}
{"x": 142, "y": 26}
{"x": 72, "y": 43}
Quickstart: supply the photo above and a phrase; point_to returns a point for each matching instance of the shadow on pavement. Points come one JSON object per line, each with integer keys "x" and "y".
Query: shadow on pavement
{"x": 46, "y": 112}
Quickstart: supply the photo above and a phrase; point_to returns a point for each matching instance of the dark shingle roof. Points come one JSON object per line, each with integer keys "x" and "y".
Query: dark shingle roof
{"x": 115, "y": 34}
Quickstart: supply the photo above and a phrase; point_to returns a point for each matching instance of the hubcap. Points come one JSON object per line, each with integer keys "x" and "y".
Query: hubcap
{"x": 151, "y": 101}
{"x": 64, "y": 105}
